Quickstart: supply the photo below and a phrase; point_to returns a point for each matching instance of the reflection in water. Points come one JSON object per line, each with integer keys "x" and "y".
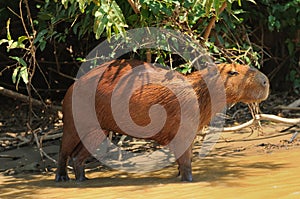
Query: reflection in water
{"x": 275, "y": 175}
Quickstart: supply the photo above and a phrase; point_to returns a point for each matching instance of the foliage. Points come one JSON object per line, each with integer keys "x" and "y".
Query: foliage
{"x": 20, "y": 70}
{"x": 280, "y": 18}
{"x": 56, "y": 21}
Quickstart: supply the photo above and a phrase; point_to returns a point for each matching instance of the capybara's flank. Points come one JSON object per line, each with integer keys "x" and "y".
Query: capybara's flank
{"x": 240, "y": 83}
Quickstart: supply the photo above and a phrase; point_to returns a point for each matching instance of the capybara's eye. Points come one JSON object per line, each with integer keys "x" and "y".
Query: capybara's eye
{"x": 233, "y": 73}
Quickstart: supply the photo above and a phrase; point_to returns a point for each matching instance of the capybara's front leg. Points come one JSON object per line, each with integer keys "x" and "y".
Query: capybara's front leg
{"x": 185, "y": 165}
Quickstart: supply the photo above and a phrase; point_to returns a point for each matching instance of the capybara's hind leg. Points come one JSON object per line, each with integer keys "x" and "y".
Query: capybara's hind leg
{"x": 185, "y": 165}
{"x": 79, "y": 156}
{"x": 61, "y": 172}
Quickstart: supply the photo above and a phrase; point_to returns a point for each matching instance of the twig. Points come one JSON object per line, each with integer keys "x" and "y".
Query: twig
{"x": 293, "y": 137}
{"x": 38, "y": 143}
{"x": 287, "y": 108}
{"x": 62, "y": 74}
{"x": 24, "y": 140}
{"x": 51, "y": 137}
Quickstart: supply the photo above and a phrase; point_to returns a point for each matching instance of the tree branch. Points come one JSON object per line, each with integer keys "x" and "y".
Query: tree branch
{"x": 134, "y": 7}
{"x": 212, "y": 22}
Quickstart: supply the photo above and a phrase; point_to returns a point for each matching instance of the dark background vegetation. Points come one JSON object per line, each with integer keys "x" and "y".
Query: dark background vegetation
{"x": 264, "y": 34}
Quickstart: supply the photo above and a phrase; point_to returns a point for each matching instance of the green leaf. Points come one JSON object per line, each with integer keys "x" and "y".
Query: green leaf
{"x": 239, "y": 3}
{"x": 7, "y": 29}
{"x": 22, "y": 38}
{"x": 65, "y": 3}
{"x": 100, "y": 23}
{"x": 12, "y": 45}
{"x": 19, "y": 60}
{"x": 290, "y": 46}
{"x": 43, "y": 45}
{"x": 3, "y": 41}
{"x": 40, "y": 35}
{"x": 82, "y": 5}
{"x": 208, "y": 5}
{"x": 24, "y": 74}
{"x": 14, "y": 75}
{"x": 217, "y": 7}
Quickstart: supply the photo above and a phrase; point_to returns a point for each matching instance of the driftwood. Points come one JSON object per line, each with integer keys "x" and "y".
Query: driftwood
{"x": 287, "y": 108}
{"x": 257, "y": 117}
{"x": 295, "y": 103}
{"x": 294, "y": 106}
{"x": 9, "y": 157}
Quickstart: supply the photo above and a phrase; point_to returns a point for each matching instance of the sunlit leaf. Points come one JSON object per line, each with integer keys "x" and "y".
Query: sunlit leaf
{"x": 3, "y": 41}
{"x": 15, "y": 74}
{"x": 252, "y": 1}
{"x": 22, "y": 38}
{"x": 12, "y": 45}
{"x": 24, "y": 74}
{"x": 19, "y": 60}
{"x": 7, "y": 29}
{"x": 82, "y": 5}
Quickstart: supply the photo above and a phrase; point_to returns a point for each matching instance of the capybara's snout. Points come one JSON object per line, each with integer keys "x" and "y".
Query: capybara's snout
{"x": 263, "y": 81}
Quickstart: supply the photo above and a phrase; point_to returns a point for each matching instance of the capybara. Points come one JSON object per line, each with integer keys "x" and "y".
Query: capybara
{"x": 240, "y": 83}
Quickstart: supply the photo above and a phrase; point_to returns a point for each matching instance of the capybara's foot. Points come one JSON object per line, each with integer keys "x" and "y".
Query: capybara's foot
{"x": 186, "y": 174}
{"x": 82, "y": 178}
{"x": 187, "y": 177}
{"x": 61, "y": 178}
{"x": 79, "y": 172}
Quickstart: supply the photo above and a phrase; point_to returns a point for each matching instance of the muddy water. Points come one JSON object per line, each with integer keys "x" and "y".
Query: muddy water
{"x": 273, "y": 175}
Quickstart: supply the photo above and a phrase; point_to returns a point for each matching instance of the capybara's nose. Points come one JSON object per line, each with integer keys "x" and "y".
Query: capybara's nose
{"x": 263, "y": 79}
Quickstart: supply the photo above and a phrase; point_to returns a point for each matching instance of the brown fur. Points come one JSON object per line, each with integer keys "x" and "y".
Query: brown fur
{"x": 247, "y": 85}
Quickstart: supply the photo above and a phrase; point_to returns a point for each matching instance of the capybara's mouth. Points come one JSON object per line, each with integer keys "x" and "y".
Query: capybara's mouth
{"x": 259, "y": 97}
{"x": 263, "y": 95}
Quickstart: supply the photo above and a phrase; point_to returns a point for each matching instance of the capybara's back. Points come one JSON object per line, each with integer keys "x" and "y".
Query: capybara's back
{"x": 134, "y": 98}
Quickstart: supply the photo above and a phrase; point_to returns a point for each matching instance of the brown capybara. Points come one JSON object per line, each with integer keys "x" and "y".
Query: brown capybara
{"x": 240, "y": 83}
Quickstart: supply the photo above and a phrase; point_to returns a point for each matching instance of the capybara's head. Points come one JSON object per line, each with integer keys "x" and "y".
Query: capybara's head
{"x": 243, "y": 83}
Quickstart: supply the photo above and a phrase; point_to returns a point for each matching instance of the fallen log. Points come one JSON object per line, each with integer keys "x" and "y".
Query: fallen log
{"x": 12, "y": 94}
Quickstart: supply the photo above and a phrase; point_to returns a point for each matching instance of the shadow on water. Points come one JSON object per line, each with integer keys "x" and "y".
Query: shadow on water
{"x": 210, "y": 170}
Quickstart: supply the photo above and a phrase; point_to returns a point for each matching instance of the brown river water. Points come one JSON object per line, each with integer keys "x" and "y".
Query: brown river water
{"x": 274, "y": 175}
{"x": 255, "y": 168}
